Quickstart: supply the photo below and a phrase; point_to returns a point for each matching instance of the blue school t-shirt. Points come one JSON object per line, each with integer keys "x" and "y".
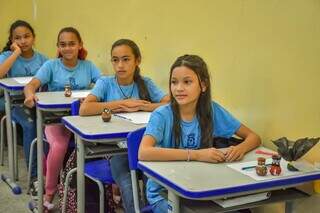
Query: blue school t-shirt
{"x": 24, "y": 66}
{"x": 56, "y": 75}
{"x": 107, "y": 89}
{"x": 160, "y": 127}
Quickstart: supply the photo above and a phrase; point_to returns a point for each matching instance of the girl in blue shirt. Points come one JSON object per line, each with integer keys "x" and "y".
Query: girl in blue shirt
{"x": 184, "y": 129}
{"x": 19, "y": 59}
{"x": 126, "y": 91}
{"x": 70, "y": 68}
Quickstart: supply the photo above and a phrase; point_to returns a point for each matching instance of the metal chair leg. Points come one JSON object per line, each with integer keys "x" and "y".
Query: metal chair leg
{"x": 34, "y": 142}
{"x": 101, "y": 193}
{"x": 2, "y": 123}
{"x": 15, "y": 150}
{"x": 66, "y": 188}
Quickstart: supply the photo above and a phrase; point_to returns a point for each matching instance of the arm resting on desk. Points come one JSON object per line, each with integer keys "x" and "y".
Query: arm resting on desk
{"x": 251, "y": 141}
{"x": 148, "y": 151}
{"x": 91, "y": 105}
{"x": 29, "y": 92}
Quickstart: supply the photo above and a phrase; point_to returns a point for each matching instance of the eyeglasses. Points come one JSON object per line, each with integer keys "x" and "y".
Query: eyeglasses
{"x": 124, "y": 60}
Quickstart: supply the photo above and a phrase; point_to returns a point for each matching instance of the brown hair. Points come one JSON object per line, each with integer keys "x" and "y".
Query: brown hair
{"x": 82, "y": 52}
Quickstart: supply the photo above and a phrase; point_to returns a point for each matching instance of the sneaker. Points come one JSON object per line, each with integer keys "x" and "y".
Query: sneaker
{"x": 34, "y": 187}
{"x": 48, "y": 206}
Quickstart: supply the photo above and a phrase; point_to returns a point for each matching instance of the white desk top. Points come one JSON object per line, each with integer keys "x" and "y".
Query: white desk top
{"x": 199, "y": 180}
{"x": 14, "y": 83}
{"x": 55, "y": 100}
{"x": 93, "y": 128}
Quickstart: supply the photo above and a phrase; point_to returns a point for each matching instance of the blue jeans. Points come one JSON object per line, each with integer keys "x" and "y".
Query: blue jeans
{"x": 26, "y": 118}
{"x": 2, "y": 105}
{"x": 121, "y": 174}
{"x": 160, "y": 207}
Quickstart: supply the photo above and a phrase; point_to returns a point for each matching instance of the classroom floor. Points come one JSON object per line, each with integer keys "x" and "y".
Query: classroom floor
{"x": 17, "y": 203}
{"x": 8, "y": 201}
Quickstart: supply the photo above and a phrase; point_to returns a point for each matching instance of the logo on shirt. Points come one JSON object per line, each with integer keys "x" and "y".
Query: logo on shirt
{"x": 191, "y": 140}
{"x": 73, "y": 84}
{"x": 28, "y": 71}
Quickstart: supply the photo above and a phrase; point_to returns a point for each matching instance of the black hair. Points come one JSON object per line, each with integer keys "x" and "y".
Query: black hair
{"x": 143, "y": 91}
{"x": 203, "y": 108}
{"x": 14, "y": 25}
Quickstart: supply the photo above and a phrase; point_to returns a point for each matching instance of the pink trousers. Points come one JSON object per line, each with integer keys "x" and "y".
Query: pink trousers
{"x": 58, "y": 137}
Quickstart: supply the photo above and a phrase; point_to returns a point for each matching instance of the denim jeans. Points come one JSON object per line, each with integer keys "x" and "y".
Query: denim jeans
{"x": 2, "y": 105}
{"x": 160, "y": 207}
{"x": 121, "y": 174}
{"x": 26, "y": 118}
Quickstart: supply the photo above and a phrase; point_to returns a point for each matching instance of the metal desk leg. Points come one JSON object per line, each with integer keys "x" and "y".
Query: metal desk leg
{"x": 288, "y": 206}
{"x": 80, "y": 176}
{"x": 39, "y": 159}
{"x": 135, "y": 188}
{"x": 174, "y": 202}
{"x": 10, "y": 180}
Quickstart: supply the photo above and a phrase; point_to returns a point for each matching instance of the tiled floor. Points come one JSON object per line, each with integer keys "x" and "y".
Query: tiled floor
{"x": 8, "y": 201}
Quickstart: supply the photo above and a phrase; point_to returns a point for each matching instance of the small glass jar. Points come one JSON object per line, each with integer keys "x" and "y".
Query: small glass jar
{"x": 261, "y": 168}
{"x": 106, "y": 115}
{"x": 67, "y": 90}
{"x": 275, "y": 166}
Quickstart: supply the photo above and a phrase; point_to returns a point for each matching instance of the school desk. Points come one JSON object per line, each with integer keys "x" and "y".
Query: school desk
{"x": 93, "y": 129}
{"x": 12, "y": 87}
{"x": 189, "y": 182}
{"x": 48, "y": 102}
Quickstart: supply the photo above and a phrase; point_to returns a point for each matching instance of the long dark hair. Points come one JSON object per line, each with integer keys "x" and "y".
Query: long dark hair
{"x": 14, "y": 25}
{"x": 82, "y": 52}
{"x": 203, "y": 107}
{"x": 137, "y": 78}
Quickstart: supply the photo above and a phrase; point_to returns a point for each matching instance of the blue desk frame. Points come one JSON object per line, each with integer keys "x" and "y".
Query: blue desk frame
{"x": 175, "y": 190}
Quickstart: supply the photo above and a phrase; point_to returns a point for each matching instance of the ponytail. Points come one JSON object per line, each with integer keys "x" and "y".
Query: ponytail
{"x": 8, "y": 45}
{"x": 143, "y": 90}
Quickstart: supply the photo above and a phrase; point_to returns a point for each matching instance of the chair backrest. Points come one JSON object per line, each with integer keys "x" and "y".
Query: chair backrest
{"x": 133, "y": 142}
{"x": 75, "y": 106}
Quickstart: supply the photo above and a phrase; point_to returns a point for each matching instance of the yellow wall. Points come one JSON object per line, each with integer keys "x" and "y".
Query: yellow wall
{"x": 263, "y": 54}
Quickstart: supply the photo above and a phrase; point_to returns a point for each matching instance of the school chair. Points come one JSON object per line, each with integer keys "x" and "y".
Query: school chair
{"x": 98, "y": 171}
{"x": 133, "y": 142}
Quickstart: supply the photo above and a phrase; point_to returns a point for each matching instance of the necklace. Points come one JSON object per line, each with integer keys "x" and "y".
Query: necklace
{"x": 123, "y": 94}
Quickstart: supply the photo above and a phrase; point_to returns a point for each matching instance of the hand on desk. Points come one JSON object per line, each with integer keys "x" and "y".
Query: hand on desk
{"x": 131, "y": 105}
{"x": 211, "y": 155}
{"x": 30, "y": 101}
{"x": 234, "y": 153}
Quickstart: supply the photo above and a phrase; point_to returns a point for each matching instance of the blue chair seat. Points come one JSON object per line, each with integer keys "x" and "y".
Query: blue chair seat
{"x": 100, "y": 170}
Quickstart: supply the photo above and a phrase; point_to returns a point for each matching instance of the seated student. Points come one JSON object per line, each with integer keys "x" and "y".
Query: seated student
{"x": 70, "y": 68}
{"x": 184, "y": 129}
{"x": 19, "y": 59}
{"x": 126, "y": 91}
